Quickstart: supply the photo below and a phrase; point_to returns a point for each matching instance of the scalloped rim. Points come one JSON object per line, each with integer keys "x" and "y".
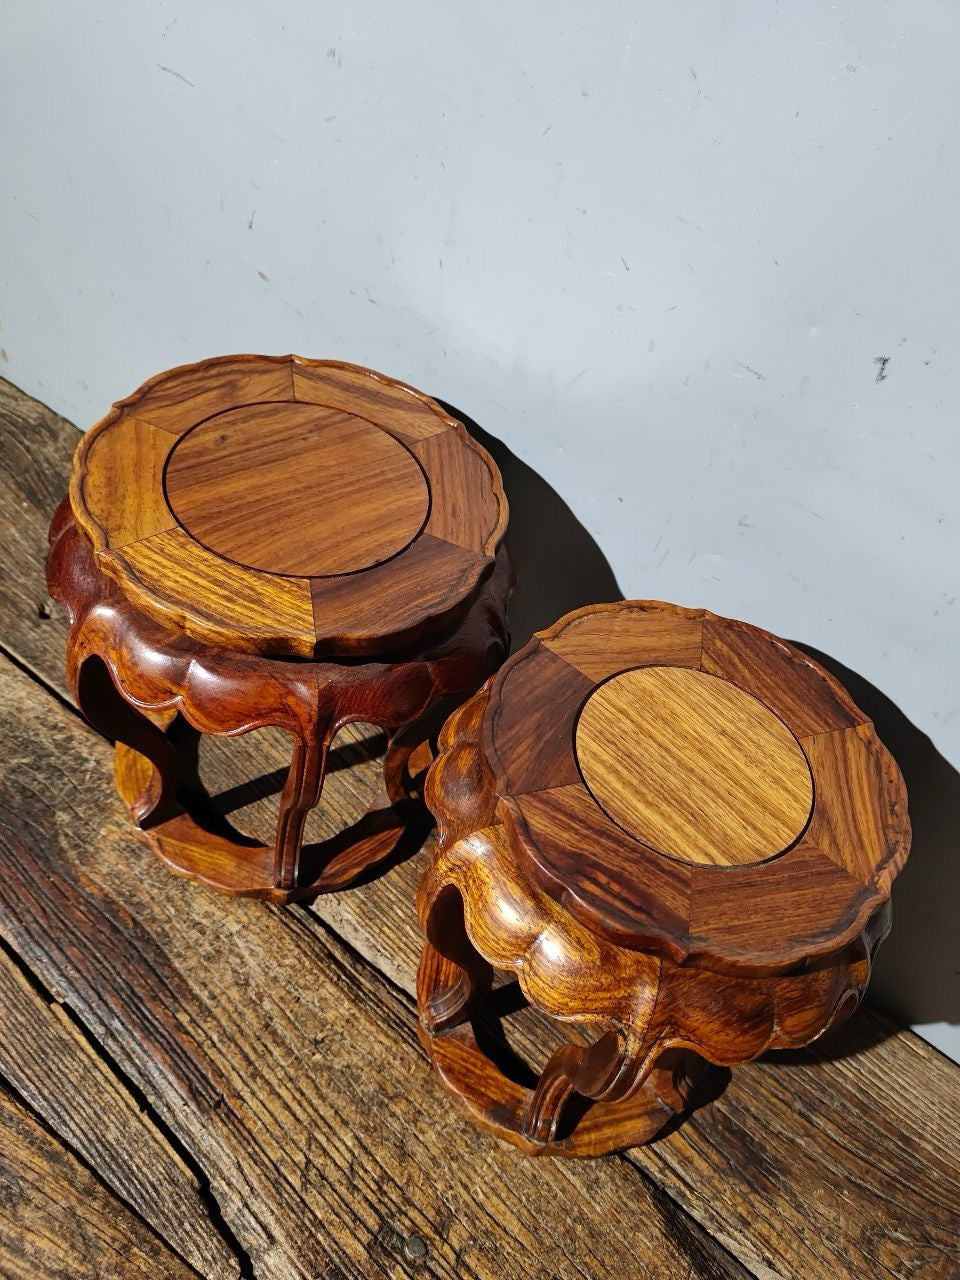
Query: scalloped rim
{"x": 377, "y": 639}
{"x": 704, "y": 952}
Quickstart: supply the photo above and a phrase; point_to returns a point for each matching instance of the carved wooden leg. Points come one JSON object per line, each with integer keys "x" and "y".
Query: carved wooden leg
{"x": 599, "y": 1070}
{"x": 300, "y": 794}
{"x": 447, "y": 941}
{"x": 105, "y": 707}
{"x": 620, "y": 1116}
{"x": 408, "y": 755}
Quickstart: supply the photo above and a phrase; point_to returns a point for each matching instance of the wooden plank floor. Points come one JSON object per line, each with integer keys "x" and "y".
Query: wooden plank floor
{"x": 199, "y": 1086}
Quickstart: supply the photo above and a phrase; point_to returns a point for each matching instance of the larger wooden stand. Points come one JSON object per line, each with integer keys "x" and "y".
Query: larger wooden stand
{"x": 130, "y": 675}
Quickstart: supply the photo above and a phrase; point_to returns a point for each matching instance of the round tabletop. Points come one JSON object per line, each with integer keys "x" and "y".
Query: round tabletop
{"x": 692, "y": 785}
{"x": 288, "y": 506}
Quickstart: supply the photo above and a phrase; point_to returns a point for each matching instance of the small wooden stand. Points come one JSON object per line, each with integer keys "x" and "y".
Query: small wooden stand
{"x": 680, "y": 834}
{"x": 259, "y": 541}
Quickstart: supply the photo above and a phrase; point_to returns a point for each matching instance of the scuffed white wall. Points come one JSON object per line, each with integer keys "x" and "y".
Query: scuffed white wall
{"x": 664, "y": 252}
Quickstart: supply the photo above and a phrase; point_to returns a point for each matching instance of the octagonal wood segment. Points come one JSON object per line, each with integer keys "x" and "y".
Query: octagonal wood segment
{"x": 825, "y": 867}
{"x": 286, "y": 506}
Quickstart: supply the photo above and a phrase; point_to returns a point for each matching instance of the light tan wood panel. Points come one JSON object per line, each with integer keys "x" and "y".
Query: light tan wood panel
{"x": 213, "y": 599}
{"x": 120, "y": 488}
{"x": 693, "y": 766}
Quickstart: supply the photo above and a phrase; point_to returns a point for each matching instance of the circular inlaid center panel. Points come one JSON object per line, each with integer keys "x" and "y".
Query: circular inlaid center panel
{"x": 297, "y": 489}
{"x": 693, "y": 766}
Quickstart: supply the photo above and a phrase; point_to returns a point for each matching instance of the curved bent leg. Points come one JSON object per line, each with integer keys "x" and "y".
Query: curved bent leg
{"x": 599, "y": 1070}
{"x": 300, "y": 794}
{"x": 105, "y": 707}
{"x": 407, "y": 757}
{"x": 447, "y": 940}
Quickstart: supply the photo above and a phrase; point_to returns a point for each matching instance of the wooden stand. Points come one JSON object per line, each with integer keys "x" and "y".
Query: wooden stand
{"x": 252, "y": 542}
{"x": 680, "y": 834}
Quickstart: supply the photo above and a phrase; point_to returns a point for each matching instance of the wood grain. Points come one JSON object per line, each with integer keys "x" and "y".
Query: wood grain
{"x": 611, "y": 876}
{"x": 295, "y": 489}
{"x": 53, "y": 1067}
{"x": 662, "y": 973}
{"x": 426, "y": 588}
{"x": 866, "y": 1121}
{"x": 627, "y": 633}
{"x": 274, "y": 490}
{"x": 528, "y": 737}
{"x": 119, "y": 482}
{"x": 693, "y": 766}
{"x": 36, "y": 446}
{"x": 126, "y": 670}
{"x": 618, "y": 887}
{"x": 860, "y": 821}
{"x": 474, "y": 517}
{"x": 381, "y": 400}
{"x": 179, "y": 398}
{"x": 57, "y": 1221}
{"x": 758, "y": 921}
{"x": 805, "y": 696}
{"x": 290, "y": 1070}
{"x": 182, "y": 584}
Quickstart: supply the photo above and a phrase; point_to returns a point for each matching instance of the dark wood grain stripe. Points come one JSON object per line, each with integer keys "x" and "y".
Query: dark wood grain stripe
{"x": 389, "y": 404}
{"x": 602, "y": 642}
{"x": 466, "y": 507}
{"x": 399, "y": 600}
{"x": 799, "y": 691}
{"x": 612, "y": 883}
{"x": 180, "y": 398}
{"x": 529, "y": 727}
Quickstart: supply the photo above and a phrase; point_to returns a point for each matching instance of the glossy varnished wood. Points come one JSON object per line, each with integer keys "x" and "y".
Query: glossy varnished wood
{"x": 339, "y": 511}
{"x": 231, "y": 535}
{"x": 628, "y": 890}
{"x": 866, "y": 1121}
{"x": 121, "y": 663}
{"x": 297, "y": 489}
{"x": 669, "y": 932}
{"x": 693, "y": 767}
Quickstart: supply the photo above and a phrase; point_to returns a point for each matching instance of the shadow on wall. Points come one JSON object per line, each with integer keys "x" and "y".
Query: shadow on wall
{"x": 559, "y": 566}
{"x": 917, "y": 973}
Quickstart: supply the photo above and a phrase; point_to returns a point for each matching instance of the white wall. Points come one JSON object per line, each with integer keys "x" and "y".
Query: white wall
{"x": 657, "y": 249}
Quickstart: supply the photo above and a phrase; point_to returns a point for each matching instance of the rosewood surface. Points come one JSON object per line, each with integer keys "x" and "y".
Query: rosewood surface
{"x": 681, "y": 872}
{"x": 178, "y": 1082}
{"x": 239, "y": 550}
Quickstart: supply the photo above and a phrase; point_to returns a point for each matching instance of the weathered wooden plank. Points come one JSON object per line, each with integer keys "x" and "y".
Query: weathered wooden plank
{"x": 842, "y": 1161}
{"x": 833, "y": 1165}
{"x": 52, "y": 1067}
{"x": 57, "y": 1222}
{"x": 290, "y": 1070}
{"x": 839, "y": 1160}
{"x": 35, "y": 451}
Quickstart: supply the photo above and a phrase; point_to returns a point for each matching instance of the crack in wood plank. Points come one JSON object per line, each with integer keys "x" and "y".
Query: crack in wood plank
{"x": 56, "y": 1217}
{"x": 833, "y": 1162}
{"x": 65, "y": 1076}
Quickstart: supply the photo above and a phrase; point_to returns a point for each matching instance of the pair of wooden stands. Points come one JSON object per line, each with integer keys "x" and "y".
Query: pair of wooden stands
{"x": 676, "y": 831}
